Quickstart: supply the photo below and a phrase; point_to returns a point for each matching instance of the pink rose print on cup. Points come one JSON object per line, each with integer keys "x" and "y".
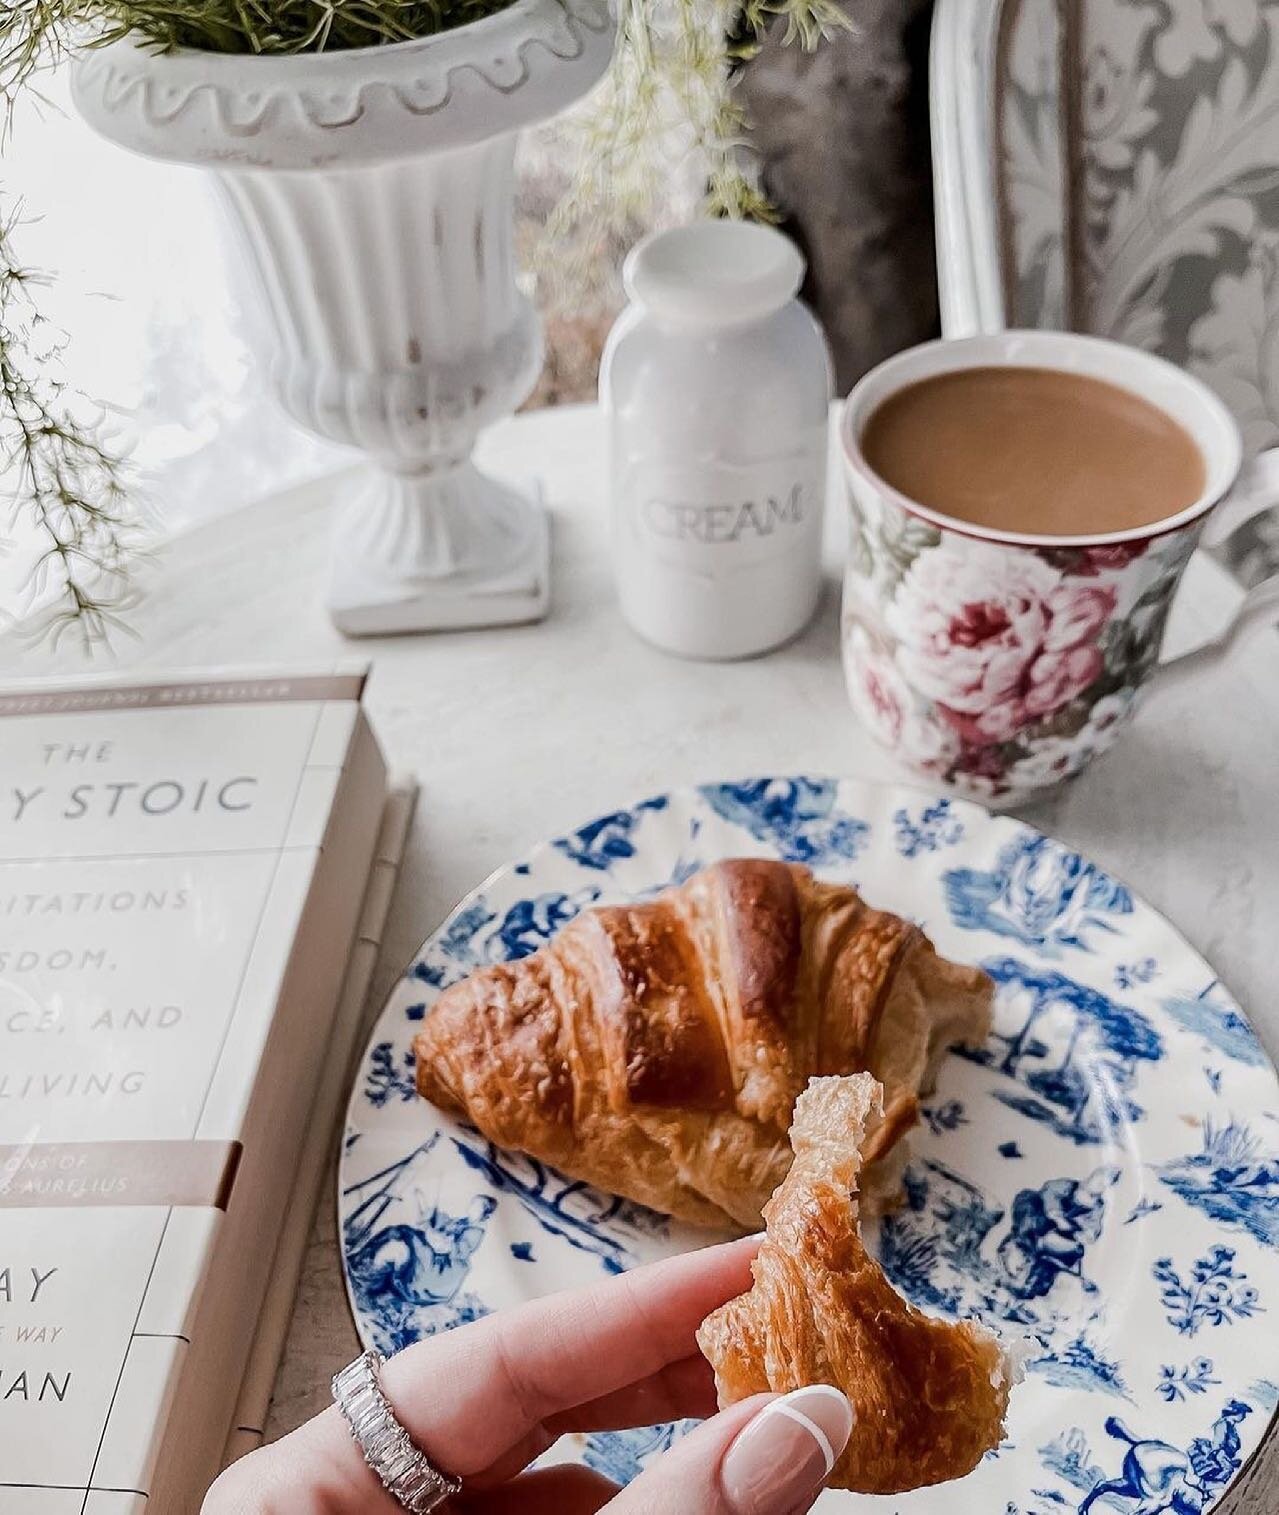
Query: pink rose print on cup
{"x": 997, "y": 638}
{"x": 1088, "y": 562}
{"x": 1111, "y": 557}
{"x": 883, "y": 698}
{"x": 886, "y": 705}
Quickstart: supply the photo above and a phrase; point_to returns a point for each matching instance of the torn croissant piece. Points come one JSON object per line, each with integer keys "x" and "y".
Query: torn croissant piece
{"x": 929, "y": 1395}
{"x": 656, "y": 1050}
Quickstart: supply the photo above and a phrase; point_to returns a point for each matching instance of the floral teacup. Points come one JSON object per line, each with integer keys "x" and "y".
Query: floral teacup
{"x": 998, "y": 662}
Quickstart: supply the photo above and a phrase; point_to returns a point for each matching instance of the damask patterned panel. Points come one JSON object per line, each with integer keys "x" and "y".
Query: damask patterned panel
{"x": 1177, "y": 222}
{"x": 1032, "y": 184}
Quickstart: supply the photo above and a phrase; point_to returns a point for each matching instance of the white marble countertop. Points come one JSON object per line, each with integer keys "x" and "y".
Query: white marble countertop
{"x": 520, "y": 733}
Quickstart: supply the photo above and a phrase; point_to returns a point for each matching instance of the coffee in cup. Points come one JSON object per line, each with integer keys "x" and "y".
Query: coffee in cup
{"x": 1033, "y": 449}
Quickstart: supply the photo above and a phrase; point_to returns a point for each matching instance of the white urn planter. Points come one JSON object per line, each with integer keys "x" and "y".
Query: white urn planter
{"x": 372, "y": 191}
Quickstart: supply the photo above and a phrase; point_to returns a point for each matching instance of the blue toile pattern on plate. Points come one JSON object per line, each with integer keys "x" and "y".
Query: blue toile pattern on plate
{"x": 1101, "y": 1179}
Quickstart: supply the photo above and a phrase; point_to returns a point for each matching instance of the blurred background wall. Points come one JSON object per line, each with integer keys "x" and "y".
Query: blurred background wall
{"x": 843, "y": 137}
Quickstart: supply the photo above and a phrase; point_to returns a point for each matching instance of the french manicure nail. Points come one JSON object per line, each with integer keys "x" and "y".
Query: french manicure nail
{"x": 780, "y": 1461}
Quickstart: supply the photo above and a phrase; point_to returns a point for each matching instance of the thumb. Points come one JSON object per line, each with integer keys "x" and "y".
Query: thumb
{"x": 761, "y": 1457}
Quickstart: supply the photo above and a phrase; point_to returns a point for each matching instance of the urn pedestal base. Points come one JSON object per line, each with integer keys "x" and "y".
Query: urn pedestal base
{"x": 438, "y": 552}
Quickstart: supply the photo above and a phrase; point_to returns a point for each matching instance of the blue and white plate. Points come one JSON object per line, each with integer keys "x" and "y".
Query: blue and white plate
{"x": 1103, "y": 1177}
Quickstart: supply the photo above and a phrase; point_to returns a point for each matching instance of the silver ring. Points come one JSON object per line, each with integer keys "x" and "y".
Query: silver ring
{"x": 403, "y": 1471}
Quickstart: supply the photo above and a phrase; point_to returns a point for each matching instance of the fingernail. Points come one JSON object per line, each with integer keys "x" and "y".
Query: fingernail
{"x": 780, "y": 1461}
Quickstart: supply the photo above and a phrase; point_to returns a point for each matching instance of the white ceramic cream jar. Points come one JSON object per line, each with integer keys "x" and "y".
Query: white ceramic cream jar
{"x": 716, "y": 382}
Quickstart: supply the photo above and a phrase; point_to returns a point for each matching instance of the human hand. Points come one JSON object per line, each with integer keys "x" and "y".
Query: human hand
{"x": 485, "y": 1400}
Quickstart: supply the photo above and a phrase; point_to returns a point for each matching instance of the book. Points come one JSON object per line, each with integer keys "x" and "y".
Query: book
{"x": 248, "y": 1426}
{"x": 182, "y": 866}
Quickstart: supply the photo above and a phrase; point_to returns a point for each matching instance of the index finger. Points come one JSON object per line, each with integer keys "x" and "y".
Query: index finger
{"x": 469, "y": 1396}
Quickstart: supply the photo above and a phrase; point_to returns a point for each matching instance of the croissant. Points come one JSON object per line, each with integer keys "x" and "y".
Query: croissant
{"x": 929, "y": 1396}
{"x": 656, "y": 1050}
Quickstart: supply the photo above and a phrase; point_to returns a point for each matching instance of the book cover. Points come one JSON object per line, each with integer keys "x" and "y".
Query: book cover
{"x": 164, "y": 847}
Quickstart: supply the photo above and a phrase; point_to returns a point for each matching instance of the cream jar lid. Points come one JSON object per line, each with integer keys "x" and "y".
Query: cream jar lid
{"x": 714, "y": 273}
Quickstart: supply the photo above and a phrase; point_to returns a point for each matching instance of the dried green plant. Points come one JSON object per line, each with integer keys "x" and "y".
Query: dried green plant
{"x": 66, "y": 482}
{"x": 667, "y": 109}
{"x": 32, "y": 32}
{"x": 35, "y": 32}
